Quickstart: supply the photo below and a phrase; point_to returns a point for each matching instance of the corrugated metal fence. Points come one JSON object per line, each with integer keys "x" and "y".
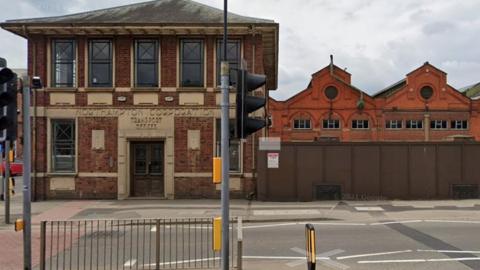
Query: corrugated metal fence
{"x": 310, "y": 171}
{"x": 132, "y": 244}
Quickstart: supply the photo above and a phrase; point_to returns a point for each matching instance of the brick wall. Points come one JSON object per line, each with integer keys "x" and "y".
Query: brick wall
{"x": 187, "y": 160}
{"x": 90, "y": 160}
{"x": 403, "y": 104}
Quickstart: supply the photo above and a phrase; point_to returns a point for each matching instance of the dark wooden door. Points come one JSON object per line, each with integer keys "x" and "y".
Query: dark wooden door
{"x": 147, "y": 169}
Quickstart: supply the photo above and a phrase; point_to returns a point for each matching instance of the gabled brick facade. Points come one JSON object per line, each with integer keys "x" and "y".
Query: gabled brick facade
{"x": 402, "y": 102}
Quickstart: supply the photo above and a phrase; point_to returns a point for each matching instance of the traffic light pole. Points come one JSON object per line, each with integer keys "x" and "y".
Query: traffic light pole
{"x": 225, "y": 145}
{"x": 7, "y": 182}
{"x": 27, "y": 153}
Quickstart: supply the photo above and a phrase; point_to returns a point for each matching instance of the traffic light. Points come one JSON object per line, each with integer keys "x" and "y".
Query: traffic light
{"x": 8, "y": 105}
{"x": 246, "y": 104}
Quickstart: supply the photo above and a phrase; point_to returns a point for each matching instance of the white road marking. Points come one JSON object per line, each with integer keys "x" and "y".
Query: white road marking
{"x": 271, "y": 225}
{"x": 183, "y": 262}
{"x": 339, "y": 223}
{"x": 369, "y": 208}
{"x": 282, "y": 258}
{"x": 130, "y": 263}
{"x": 373, "y": 254}
{"x": 285, "y": 212}
{"x": 395, "y": 222}
{"x": 450, "y": 251}
{"x": 422, "y": 260}
{"x": 452, "y": 221}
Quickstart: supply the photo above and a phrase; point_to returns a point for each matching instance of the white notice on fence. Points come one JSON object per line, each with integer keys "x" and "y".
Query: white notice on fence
{"x": 272, "y": 160}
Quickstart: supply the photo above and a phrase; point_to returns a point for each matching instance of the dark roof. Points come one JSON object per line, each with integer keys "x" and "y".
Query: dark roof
{"x": 471, "y": 91}
{"x": 390, "y": 89}
{"x": 153, "y": 12}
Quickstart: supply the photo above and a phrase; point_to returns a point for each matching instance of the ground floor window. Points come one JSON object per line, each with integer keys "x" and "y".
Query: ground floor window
{"x": 235, "y": 158}
{"x": 63, "y": 145}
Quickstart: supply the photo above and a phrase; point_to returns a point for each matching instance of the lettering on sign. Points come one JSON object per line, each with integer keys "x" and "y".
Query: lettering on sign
{"x": 180, "y": 112}
{"x": 146, "y": 122}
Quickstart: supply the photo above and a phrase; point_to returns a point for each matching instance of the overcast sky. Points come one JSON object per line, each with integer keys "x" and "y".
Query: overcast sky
{"x": 378, "y": 41}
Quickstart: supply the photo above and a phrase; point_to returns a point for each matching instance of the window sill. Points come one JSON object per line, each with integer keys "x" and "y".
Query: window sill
{"x": 145, "y": 89}
{"x": 61, "y": 89}
{"x": 192, "y": 89}
{"x": 99, "y": 89}
{"x": 62, "y": 174}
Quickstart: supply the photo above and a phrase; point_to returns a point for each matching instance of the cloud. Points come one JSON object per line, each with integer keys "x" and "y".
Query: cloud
{"x": 378, "y": 41}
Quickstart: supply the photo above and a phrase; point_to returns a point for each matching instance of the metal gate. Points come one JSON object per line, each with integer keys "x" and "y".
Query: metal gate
{"x": 175, "y": 243}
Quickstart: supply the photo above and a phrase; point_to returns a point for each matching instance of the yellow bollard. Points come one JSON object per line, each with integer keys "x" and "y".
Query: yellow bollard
{"x": 217, "y": 170}
{"x": 19, "y": 224}
{"x": 217, "y": 233}
{"x": 11, "y": 186}
{"x": 310, "y": 245}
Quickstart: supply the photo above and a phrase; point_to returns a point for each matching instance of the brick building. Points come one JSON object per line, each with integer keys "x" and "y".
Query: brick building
{"x": 130, "y": 103}
{"x": 420, "y": 107}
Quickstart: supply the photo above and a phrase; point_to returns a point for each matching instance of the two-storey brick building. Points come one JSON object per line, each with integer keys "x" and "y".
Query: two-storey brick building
{"x": 420, "y": 107}
{"x": 130, "y": 104}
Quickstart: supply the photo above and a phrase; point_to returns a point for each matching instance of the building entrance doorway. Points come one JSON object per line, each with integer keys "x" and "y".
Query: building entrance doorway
{"x": 147, "y": 169}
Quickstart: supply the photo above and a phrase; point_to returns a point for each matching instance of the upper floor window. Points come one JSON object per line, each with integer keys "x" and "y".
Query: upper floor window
{"x": 331, "y": 124}
{"x": 146, "y": 63}
{"x": 393, "y": 124}
{"x": 191, "y": 63}
{"x": 63, "y": 63}
{"x": 360, "y": 124}
{"x": 459, "y": 124}
{"x": 63, "y": 145}
{"x": 438, "y": 124}
{"x": 301, "y": 124}
{"x": 100, "y": 63}
{"x": 414, "y": 124}
{"x": 233, "y": 58}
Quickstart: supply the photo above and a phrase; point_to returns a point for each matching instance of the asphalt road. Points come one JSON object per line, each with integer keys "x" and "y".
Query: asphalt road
{"x": 381, "y": 245}
{"x": 414, "y": 245}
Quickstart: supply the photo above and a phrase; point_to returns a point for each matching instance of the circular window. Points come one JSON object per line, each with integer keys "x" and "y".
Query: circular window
{"x": 426, "y": 92}
{"x": 331, "y": 92}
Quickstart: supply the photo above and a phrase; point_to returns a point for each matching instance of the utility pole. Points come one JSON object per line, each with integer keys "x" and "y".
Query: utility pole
{"x": 225, "y": 144}
{"x": 27, "y": 157}
{"x": 7, "y": 182}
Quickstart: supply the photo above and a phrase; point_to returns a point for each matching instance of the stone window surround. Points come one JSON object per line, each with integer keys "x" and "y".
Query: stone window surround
{"x": 49, "y": 145}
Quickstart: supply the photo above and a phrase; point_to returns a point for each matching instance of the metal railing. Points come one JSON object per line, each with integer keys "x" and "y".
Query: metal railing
{"x": 176, "y": 243}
